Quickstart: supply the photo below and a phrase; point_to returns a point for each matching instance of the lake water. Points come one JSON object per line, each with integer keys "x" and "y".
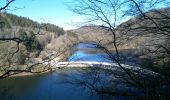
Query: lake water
{"x": 49, "y": 86}
{"x": 52, "y": 86}
{"x": 89, "y": 52}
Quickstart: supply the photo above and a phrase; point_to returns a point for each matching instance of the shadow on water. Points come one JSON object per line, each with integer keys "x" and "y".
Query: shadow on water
{"x": 48, "y": 86}
{"x": 104, "y": 83}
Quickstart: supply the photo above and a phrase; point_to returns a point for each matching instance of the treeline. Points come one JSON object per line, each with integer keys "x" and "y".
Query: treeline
{"x": 8, "y": 20}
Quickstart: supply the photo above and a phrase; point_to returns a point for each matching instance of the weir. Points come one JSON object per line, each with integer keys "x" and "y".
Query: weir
{"x": 104, "y": 65}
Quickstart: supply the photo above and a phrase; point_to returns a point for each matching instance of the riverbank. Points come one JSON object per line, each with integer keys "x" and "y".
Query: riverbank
{"x": 20, "y": 74}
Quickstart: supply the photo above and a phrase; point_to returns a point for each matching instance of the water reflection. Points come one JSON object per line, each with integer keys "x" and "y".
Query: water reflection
{"x": 86, "y": 56}
{"x": 89, "y": 52}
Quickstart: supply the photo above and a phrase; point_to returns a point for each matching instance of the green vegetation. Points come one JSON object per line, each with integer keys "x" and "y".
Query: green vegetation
{"x": 4, "y": 24}
{"x": 8, "y": 20}
{"x": 53, "y": 28}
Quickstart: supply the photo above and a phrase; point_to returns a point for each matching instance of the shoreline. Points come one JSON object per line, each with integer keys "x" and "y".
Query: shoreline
{"x": 30, "y": 74}
{"x": 22, "y": 74}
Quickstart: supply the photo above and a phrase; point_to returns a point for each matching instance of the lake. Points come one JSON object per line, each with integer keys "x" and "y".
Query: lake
{"x": 53, "y": 86}
{"x": 74, "y": 83}
{"x": 49, "y": 86}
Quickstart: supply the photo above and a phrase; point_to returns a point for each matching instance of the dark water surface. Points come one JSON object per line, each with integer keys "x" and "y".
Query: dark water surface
{"x": 49, "y": 86}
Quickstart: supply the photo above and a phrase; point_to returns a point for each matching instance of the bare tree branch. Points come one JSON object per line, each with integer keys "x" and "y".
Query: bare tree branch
{"x": 8, "y": 2}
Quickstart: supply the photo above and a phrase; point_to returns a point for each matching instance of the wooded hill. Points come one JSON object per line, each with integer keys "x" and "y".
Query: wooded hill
{"x": 8, "y": 20}
{"x": 24, "y": 38}
{"x": 14, "y": 26}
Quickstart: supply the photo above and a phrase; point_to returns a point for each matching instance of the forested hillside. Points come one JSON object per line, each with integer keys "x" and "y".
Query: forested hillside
{"x": 9, "y": 20}
{"x": 22, "y": 39}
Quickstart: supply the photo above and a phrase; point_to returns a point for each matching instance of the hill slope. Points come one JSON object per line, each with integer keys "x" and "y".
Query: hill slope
{"x": 31, "y": 39}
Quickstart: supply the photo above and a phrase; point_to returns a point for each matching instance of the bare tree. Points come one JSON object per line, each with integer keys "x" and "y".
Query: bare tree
{"x": 109, "y": 14}
{"x": 104, "y": 12}
{"x": 151, "y": 23}
{"x": 6, "y": 5}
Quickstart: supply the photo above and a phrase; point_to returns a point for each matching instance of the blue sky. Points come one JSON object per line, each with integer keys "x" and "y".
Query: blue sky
{"x": 52, "y": 11}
